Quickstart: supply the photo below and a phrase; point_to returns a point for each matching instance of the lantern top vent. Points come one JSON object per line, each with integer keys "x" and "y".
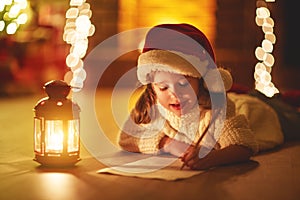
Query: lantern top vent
{"x": 57, "y": 89}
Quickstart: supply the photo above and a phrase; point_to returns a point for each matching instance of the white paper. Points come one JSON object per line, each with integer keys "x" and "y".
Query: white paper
{"x": 155, "y": 167}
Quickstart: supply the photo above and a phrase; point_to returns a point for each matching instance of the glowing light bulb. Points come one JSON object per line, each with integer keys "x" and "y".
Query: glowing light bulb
{"x": 265, "y": 78}
{"x": 259, "y": 21}
{"x": 267, "y": 46}
{"x": 2, "y": 6}
{"x": 72, "y": 13}
{"x": 262, "y": 12}
{"x": 14, "y": 11}
{"x": 8, "y": 2}
{"x": 22, "y": 19}
{"x": 262, "y": 71}
{"x": 72, "y": 60}
{"x": 271, "y": 37}
{"x": 269, "y": 60}
{"x": 79, "y": 65}
{"x": 2, "y": 25}
{"x": 80, "y": 73}
{"x": 267, "y": 28}
{"x": 260, "y": 53}
{"x": 77, "y": 28}
{"x": 269, "y": 21}
{"x": 68, "y": 77}
{"x": 76, "y": 2}
{"x": 11, "y": 28}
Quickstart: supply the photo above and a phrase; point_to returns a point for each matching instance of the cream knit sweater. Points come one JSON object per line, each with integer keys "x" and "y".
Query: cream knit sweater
{"x": 248, "y": 122}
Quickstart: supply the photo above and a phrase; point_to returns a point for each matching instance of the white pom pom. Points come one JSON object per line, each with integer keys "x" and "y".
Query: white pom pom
{"x": 218, "y": 80}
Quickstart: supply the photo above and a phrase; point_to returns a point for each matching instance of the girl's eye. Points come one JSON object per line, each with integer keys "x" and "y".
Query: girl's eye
{"x": 183, "y": 83}
{"x": 163, "y": 88}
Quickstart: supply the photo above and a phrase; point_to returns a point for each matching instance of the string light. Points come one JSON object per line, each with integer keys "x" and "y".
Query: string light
{"x": 12, "y": 15}
{"x": 262, "y": 74}
{"x": 77, "y": 29}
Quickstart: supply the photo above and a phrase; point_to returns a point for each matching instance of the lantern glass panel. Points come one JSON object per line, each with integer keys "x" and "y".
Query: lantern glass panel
{"x": 73, "y": 135}
{"x": 54, "y": 136}
{"x": 37, "y": 134}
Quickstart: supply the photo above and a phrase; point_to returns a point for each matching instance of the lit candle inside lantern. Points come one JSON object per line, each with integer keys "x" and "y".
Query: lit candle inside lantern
{"x": 54, "y": 136}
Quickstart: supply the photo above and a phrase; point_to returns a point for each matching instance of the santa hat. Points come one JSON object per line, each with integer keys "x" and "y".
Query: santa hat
{"x": 181, "y": 49}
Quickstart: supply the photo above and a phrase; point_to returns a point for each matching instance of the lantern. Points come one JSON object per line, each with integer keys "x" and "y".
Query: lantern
{"x": 56, "y": 127}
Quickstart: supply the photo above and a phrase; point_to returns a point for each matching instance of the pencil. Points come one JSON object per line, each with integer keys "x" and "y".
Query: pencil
{"x": 201, "y": 137}
{"x": 197, "y": 143}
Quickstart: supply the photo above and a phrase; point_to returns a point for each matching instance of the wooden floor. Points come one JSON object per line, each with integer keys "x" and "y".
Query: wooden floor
{"x": 273, "y": 175}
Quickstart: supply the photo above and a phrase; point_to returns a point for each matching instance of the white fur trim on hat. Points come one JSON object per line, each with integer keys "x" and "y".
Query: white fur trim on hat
{"x": 169, "y": 61}
{"x": 216, "y": 80}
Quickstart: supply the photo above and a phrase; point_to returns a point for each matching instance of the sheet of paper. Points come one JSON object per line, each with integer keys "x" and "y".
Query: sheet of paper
{"x": 153, "y": 167}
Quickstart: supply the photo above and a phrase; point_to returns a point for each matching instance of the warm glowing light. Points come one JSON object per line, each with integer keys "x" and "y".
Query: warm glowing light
{"x": 22, "y": 19}
{"x": 79, "y": 65}
{"x": 14, "y": 11}
{"x": 72, "y": 13}
{"x": 271, "y": 37}
{"x": 269, "y": 60}
{"x": 77, "y": 29}
{"x": 72, "y": 60}
{"x": 260, "y": 66}
{"x": 80, "y": 73}
{"x": 83, "y": 24}
{"x": 79, "y": 48}
{"x": 2, "y": 25}
{"x": 2, "y": 6}
{"x": 77, "y": 83}
{"x": 54, "y": 136}
{"x": 76, "y": 2}
{"x": 22, "y": 3}
{"x": 73, "y": 137}
{"x": 269, "y": 21}
{"x": 262, "y": 72}
{"x": 198, "y": 13}
{"x": 11, "y": 28}
{"x": 68, "y": 76}
{"x": 259, "y": 21}
{"x": 92, "y": 30}
{"x": 260, "y": 53}
{"x": 15, "y": 14}
{"x": 262, "y": 12}
{"x": 86, "y": 12}
{"x": 267, "y": 28}
{"x": 58, "y": 185}
{"x": 8, "y": 2}
{"x": 267, "y": 46}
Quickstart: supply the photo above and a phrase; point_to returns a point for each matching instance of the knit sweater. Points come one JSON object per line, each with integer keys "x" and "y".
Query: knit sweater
{"x": 248, "y": 122}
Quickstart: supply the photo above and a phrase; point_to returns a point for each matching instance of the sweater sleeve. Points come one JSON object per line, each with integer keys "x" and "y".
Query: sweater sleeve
{"x": 144, "y": 138}
{"x": 236, "y": 131}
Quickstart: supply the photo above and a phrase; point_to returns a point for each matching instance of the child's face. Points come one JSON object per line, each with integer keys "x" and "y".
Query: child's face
{"x": 175, "y": 92}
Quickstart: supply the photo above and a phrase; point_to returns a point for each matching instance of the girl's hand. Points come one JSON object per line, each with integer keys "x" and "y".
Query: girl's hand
{"x": 201, "y": 158}
{"x": 196, "y": 158}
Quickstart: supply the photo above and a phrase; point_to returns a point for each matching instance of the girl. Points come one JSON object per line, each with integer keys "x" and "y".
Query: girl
{"x": 176, "y": 111}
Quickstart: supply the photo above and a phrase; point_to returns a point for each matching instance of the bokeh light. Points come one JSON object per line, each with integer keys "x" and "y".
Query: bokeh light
{"x": 77, "y": 29}
{"x": 262, "y": 73}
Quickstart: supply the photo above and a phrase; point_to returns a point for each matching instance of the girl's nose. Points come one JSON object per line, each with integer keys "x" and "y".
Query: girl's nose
{"x": 176, "y": 92}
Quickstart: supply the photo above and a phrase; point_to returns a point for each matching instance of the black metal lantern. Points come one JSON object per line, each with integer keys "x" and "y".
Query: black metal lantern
{"x": 56, "y": 127}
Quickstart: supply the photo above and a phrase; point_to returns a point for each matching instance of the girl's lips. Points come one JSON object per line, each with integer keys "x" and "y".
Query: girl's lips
{"x": 178, "y": 106}
{"x": 175, "y": 106}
